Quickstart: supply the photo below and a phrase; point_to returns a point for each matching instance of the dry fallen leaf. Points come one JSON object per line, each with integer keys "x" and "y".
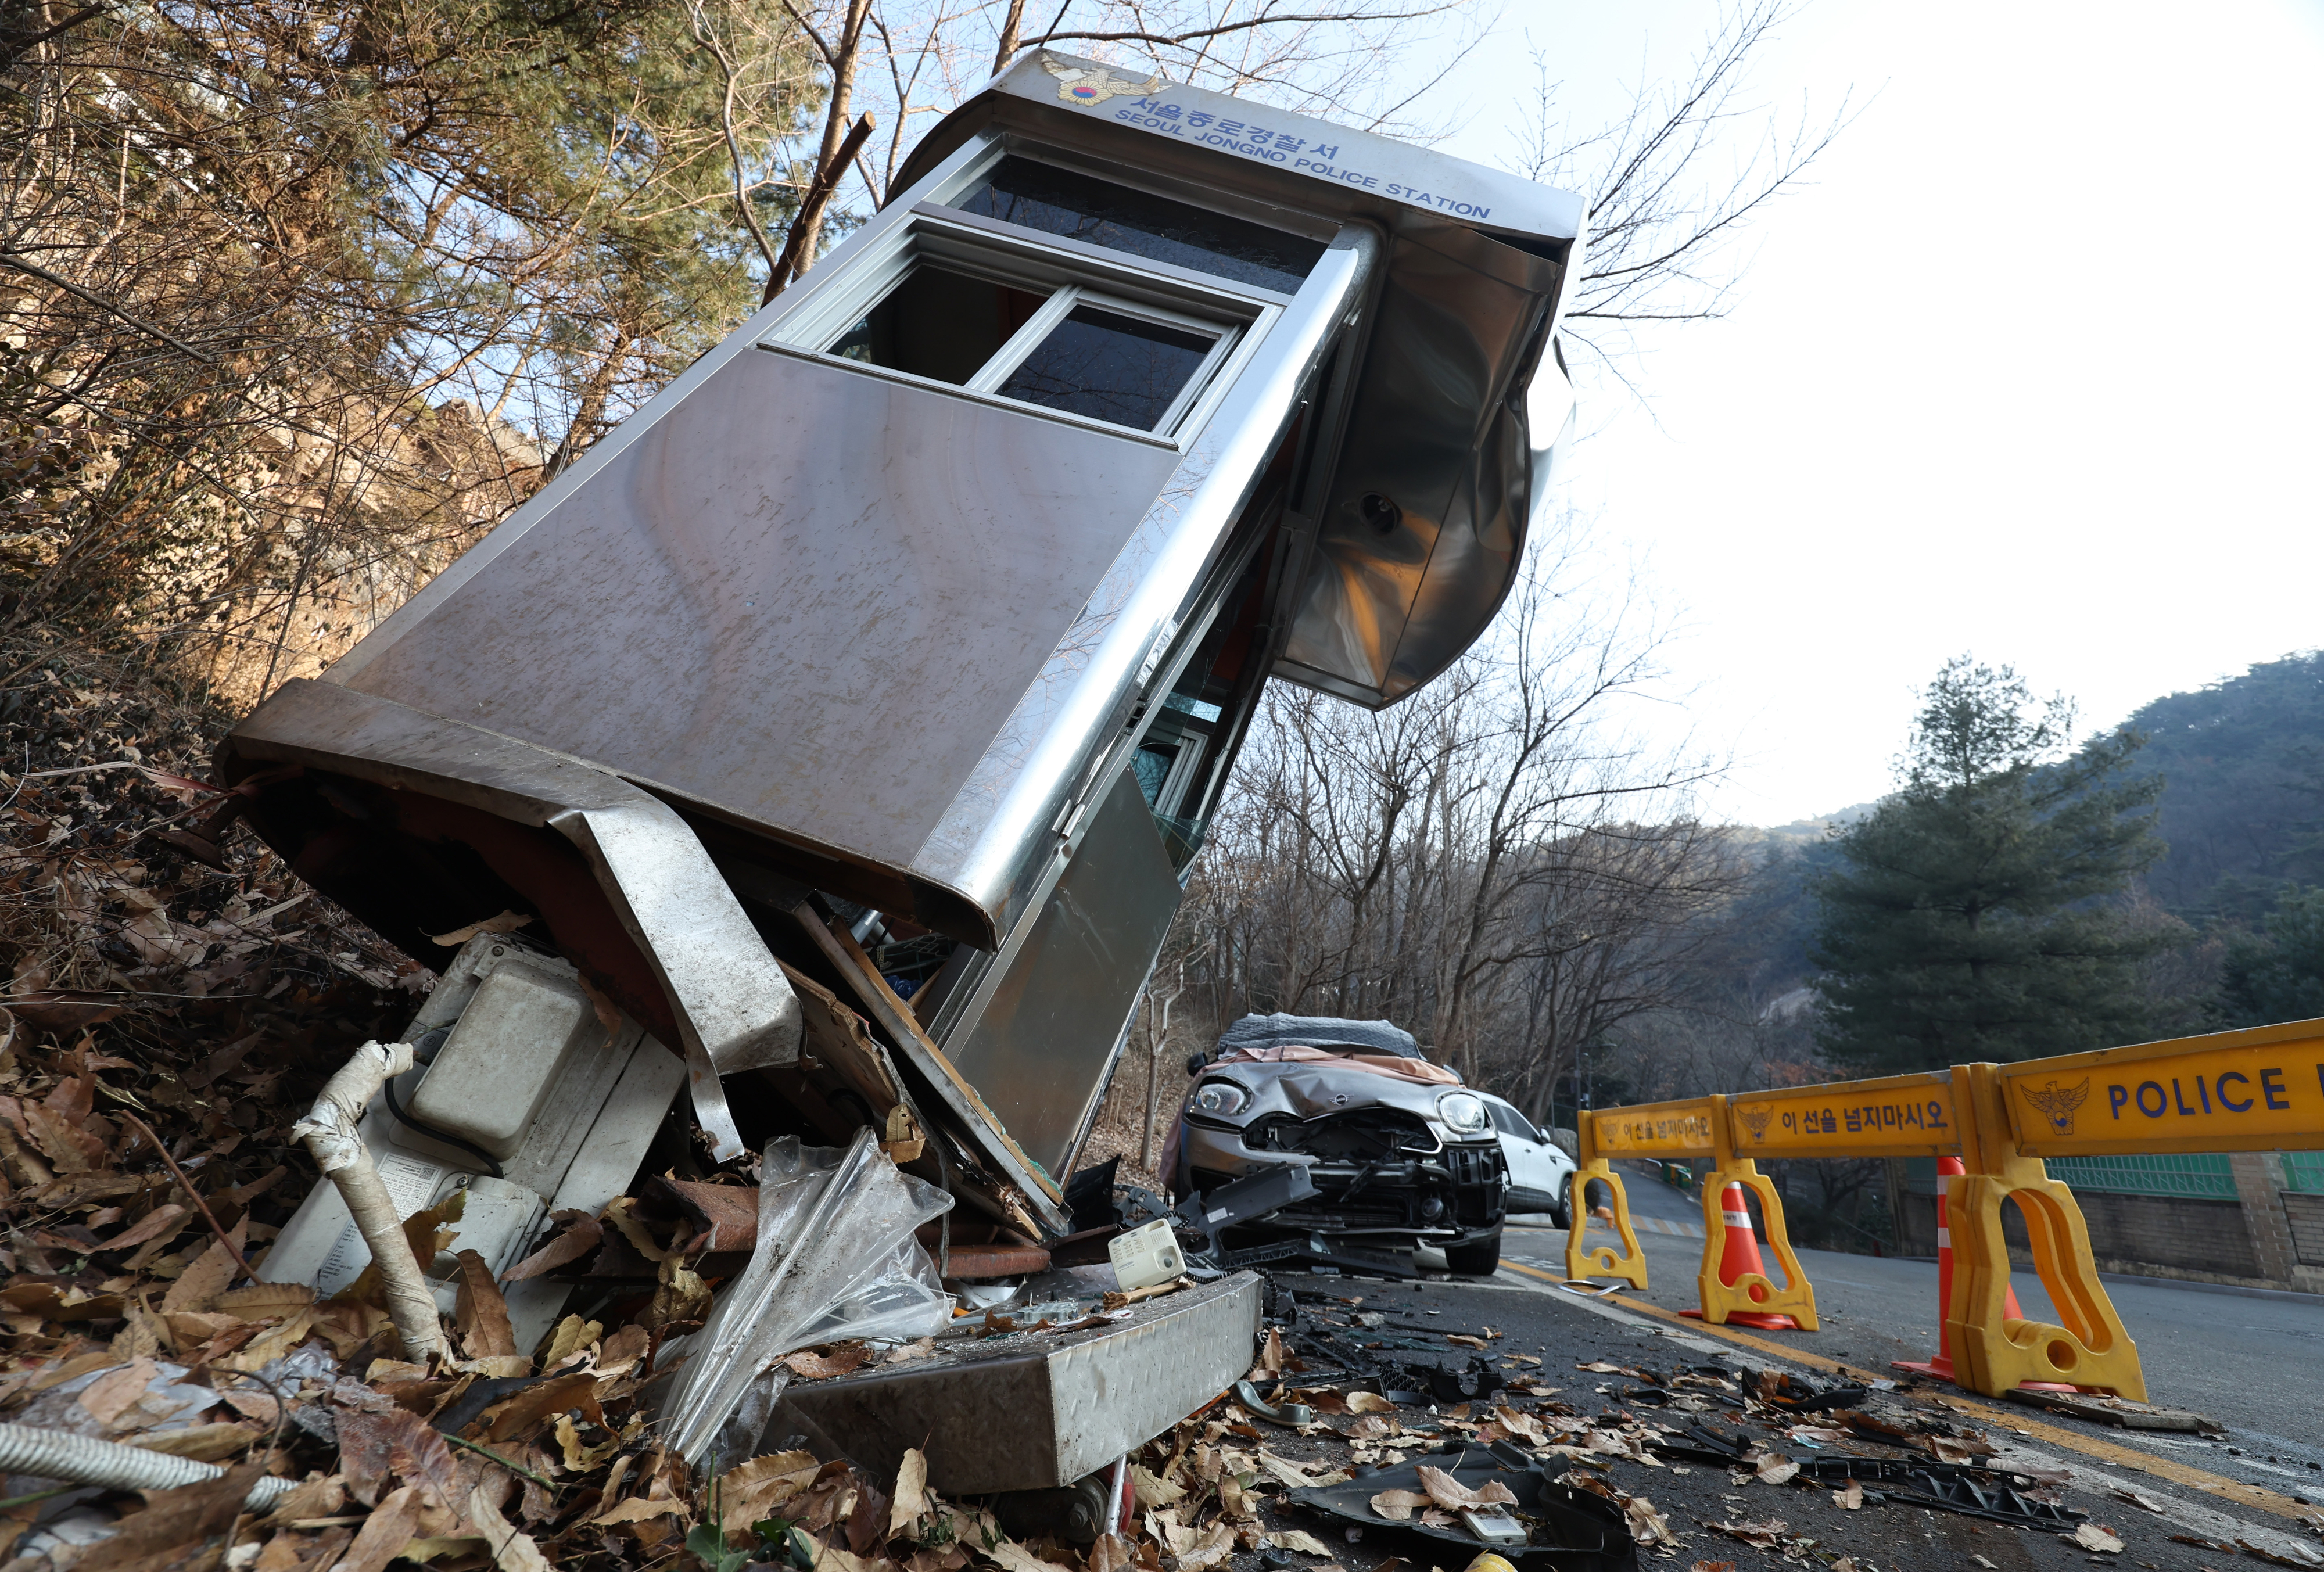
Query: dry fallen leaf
{"x": 1398, "y": 1505}
{"x": 113, "y": 1394}
{"x": 1765, "y": 1535}
{"x": 1851, "y": 1498}
{"x": 2092, "y": 1537}
{"x": 512, "y": 1549}
{"x": 1152, "y": 1489}
{"x": 264, "y": 1298}
{"x": 1774, "y": 1468}
{"x": 1296, "y": 1474}
{"x": 385, "y": 1533}
{"x": 1300, "y": 1540}
{"x": 1368, "y": 1403}
{"x": 1212, "y": 1548}
{"x": 1452, "y": 1495}
{"x": 754, "y": 1489}
{"x": 911, "y": 1495}
{"x": 1647, "y": 1526}
{"x": 844, "y": 1360}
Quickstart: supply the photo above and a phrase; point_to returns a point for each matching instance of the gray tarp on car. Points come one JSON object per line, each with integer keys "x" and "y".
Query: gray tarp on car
{"x": 1279, "y": 1031}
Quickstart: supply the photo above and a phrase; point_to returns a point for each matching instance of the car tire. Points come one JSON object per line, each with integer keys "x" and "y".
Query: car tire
{"x": 1563, "y": 1216}
{"x": 1478, "y": 1257}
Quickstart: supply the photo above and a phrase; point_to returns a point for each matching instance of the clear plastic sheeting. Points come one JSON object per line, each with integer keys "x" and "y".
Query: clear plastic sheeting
{"x": 836, "y": 1258}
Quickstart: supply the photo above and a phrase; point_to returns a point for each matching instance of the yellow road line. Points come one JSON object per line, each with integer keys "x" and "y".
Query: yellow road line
{"x": 2227, "y": 1489}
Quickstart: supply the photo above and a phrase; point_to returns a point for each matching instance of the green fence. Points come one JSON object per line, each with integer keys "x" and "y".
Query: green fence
{"x": 2205, "y": 1175}
{"x": 2304, "y": 1172}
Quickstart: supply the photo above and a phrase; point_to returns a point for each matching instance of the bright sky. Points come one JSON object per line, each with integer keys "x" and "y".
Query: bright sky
{"x": 2033, "y": 369}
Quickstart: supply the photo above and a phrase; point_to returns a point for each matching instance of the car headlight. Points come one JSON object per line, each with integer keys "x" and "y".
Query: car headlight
{"x": 1220, "y": 1097}
{"x": 1463, "y": 1112}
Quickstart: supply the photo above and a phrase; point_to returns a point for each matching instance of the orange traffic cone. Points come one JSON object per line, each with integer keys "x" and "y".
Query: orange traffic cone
{"x": 1941, "y": 1367}
{"x": 1742, "y": 1256}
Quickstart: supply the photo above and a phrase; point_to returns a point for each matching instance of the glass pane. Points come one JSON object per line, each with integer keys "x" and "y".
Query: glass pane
{"x": 939, "y": 324}
{"x": 1511, "y": 1122}
{"x": 1059, "y": 202}
{"x": 1110, "y": 367}
{"x": 1152, "y": 763}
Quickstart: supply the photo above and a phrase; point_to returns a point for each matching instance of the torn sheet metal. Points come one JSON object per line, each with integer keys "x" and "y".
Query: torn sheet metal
{"x": 1035, "y": 1410}
{"x": 691, "y": 956}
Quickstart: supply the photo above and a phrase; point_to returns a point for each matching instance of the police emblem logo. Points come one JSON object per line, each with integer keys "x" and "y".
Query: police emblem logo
{"x": 1756, "y": 1120}
{"x": 2058, "y": 1103}
{"x": 1093, "y": 85}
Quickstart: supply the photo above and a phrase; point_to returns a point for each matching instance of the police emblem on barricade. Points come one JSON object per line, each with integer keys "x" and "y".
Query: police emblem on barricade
{"x": 2057, "y": 1103}
{"x": 1755, "y": 1119}
{"x": 1093, "y": 85}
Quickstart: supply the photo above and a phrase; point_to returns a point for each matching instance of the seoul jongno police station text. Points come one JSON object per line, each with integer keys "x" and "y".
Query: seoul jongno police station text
{"x": 1254, "y": 140}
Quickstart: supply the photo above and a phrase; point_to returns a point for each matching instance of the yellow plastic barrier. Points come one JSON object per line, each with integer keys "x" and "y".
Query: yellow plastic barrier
{"x": 1993, "y": 1353}
{"x": 1752, "y": 1293}
{"x": 2255, "y": 1091}
{"x": 1679, "y": 1129}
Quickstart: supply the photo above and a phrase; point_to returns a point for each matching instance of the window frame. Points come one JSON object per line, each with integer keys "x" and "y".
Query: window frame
{"x": 1074, "y": 272}
{"x": 1062, "y": 303}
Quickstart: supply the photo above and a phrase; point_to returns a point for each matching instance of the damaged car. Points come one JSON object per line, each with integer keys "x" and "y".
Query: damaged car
{"x": 1399, "y": 1154}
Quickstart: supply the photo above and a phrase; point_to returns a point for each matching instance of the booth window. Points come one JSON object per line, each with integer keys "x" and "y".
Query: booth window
{"x": 1071, "y": 348}
{"x": 1056, "y": 201}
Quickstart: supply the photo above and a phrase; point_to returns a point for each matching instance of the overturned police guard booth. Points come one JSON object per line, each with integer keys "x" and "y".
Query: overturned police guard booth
{"x": 825, "y": 752}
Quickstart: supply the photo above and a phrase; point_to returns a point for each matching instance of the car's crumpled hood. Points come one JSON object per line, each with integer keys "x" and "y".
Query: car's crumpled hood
{"x": 1310, "y": 1090}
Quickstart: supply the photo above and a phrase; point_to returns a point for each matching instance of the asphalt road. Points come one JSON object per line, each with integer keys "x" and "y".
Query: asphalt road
{"x": 1564, "y": 1332}
{"x": 2255, "y": 1364}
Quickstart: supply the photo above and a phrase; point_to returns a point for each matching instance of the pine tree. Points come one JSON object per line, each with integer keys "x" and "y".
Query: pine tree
{"x": 2278, "y": 973}
{"x": 1975, "y": 916}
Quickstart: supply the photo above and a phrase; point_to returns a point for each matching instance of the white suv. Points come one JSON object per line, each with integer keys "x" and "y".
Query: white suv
{"x": 1539, "y": 1169}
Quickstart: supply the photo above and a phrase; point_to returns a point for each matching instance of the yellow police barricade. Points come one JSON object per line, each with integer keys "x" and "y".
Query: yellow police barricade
{"x": 1676, "y": 1129}
{"x": 1993, "y": 1352}
{"x": 2257, "y": 1090}
{"x": 1693, "y": 1127}
{"x": 1894, "y": 1115}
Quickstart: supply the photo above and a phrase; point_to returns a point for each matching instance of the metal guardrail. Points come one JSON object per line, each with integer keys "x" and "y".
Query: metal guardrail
{"x": 2260, "y": 1089}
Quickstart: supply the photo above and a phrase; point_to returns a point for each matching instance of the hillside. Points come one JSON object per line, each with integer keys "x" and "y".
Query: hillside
{"x": 2244, "y": 801}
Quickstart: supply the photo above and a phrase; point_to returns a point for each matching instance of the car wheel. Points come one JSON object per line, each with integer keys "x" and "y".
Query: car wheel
{"x": 1563, "y": 1216}
{"x": 1479, "y": 1257}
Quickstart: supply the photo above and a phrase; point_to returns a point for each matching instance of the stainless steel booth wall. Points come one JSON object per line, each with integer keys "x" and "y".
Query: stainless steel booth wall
{"x": 805, "y": 597}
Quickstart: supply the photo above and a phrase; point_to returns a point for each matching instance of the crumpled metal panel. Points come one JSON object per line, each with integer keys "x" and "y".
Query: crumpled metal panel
{"x": 1440, "y": 429}
{"x": 734, "y": 1008}
{"x": 1034, "y": 1412}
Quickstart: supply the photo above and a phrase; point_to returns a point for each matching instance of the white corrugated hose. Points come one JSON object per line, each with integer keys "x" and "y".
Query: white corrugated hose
{"x": 86, "y": 1460}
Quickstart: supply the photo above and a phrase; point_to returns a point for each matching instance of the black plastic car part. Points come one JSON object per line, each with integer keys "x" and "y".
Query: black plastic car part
{"x": 1569, "y": 1529}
